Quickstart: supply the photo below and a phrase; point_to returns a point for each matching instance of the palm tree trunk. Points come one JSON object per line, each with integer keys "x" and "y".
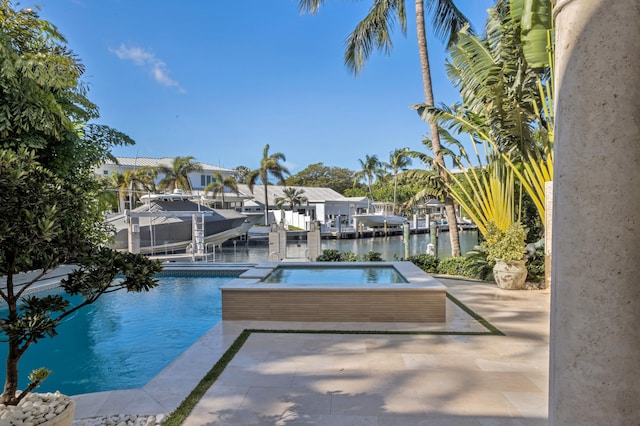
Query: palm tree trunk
{"x": 395, "y": 189}
{"x": 438, "y": 159}
{"x": 266, "y": 202}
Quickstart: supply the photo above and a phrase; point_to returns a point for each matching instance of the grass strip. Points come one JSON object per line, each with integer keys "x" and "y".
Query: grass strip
{"x": 186, "y": 406}
{"x": 180, "y": 414}
{"x": 486, "y": 324}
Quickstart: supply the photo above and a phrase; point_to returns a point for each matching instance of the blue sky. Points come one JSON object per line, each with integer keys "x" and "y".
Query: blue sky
{"x": 220, "y": 79}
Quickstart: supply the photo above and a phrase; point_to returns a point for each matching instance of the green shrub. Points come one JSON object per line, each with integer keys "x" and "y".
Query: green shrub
{"x": 454, "y": 266}
{"x": 330, "y": 255}
{"x": 479, "y": 266}
{"x": 348, "y": 256}
{"x": 535, "y": 264}
{"x": 426, "y": 262}
{"x": 373, "y": 256}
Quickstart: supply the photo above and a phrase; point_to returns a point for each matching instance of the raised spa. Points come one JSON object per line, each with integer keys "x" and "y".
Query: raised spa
{"x": 342, "y": 274}
{"x": 335, "y": 291}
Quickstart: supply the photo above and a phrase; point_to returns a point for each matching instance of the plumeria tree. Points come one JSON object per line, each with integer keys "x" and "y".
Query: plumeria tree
{"x": 50, "y": 215}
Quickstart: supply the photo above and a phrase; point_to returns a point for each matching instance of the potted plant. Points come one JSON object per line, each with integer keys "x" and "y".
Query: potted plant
{"x": 507, "y": 249}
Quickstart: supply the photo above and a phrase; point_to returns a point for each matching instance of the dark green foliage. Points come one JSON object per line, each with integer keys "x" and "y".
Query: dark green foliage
{"x": 50, "y": 215}
{"x": 348, "y": 256}
{"x": 455, "y": 266}
{"x": 535, "y": 265}
{"x": 479, "y": 267}
{"x": 332, "y": 255}
{"x": 426, "y": 262}
{"x": 372, "y": 256}
{"x": 45, "y": 222}
{"x": 337, "y": 178}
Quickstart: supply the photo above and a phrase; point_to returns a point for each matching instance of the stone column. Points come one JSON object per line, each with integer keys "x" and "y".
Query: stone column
{"x": 595, "y": 317}
{"x": 133, "y": 232}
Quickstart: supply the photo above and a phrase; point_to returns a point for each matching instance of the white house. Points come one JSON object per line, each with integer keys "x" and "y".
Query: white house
{"x": 198, "y": 180}
{"x": 323, "y": 204}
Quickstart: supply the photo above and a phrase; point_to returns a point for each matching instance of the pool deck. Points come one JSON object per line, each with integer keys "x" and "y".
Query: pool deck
{"x": 365, "y": 379}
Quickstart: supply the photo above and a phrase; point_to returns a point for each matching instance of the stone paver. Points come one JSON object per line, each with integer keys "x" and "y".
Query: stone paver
{"x": 366, "y": 379}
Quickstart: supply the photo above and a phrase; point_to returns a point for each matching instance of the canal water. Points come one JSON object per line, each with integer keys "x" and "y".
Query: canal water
{"x": 390, "y": 248}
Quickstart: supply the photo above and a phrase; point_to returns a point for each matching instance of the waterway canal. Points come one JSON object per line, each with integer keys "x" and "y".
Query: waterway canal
{"x": 391, "y": 247}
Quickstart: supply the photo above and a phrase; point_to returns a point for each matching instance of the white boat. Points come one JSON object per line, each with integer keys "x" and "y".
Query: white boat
{"x": 166, "y": 223}
{"x": 382, "y": 214}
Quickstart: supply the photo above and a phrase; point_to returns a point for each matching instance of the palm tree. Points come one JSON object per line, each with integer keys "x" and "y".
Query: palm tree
{"x": 241, "y": 174}
{"x": 269, "y": 165}
{"x": 399, "y": 159}
{"x": 133, "y": 183}
{"x": 370, "y": 168}
{"x": 219, "y": 183}
{"x": 292, "y": 197}
{"x": 115, "y": 184}
{"x": 374, "y": 32}
{"x": 176, "y": 176}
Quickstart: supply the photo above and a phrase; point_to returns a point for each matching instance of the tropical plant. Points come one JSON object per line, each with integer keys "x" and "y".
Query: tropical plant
{"x": 370, "y": 168}
{"x": 218, "y": 185}
{"x": 480, "y": 266}
{"x": 506, "y": 101}
{"x": 269, "y": 165}
{"x": 292, "y": 197}
{"x": 506, "y": 245}
{"x": 50, "y": 215}
{"x": 176, "y": 176}
{"x": 487, "y": 194}
{"x": 374, "y": 31}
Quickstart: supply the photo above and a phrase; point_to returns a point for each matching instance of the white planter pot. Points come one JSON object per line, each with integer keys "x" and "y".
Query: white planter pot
{"x": 510, "y": 275}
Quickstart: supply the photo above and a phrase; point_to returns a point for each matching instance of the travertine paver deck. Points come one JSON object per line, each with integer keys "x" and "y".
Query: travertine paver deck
{"x": 358, "y": 379}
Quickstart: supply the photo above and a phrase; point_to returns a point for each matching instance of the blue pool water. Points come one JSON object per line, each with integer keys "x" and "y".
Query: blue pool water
{"x": 335, "y": 274}
{"x": 125, "y": 339}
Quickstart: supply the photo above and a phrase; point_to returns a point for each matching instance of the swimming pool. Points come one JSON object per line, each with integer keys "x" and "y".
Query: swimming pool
{"x": 124, "y": 339}
{"x": 327, "y": 274}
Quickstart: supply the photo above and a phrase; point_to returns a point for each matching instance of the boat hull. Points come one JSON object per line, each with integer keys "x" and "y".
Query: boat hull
{"x": 377, "y": 220}
{"x": 164, "y": 232}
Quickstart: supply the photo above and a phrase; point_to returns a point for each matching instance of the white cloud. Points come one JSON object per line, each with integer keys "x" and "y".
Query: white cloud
{"x": 148, "y": 60}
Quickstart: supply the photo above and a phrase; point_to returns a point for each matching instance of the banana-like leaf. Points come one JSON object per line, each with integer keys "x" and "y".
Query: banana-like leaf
{"x": 536, "y": 25}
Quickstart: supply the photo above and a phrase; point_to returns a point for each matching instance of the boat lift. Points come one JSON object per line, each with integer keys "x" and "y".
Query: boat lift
{"x": 197, "y": 230}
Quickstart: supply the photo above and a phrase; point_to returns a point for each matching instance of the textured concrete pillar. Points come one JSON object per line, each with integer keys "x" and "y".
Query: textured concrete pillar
{"x": 595, "y": 313}
{"x": 133, "y": 233}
